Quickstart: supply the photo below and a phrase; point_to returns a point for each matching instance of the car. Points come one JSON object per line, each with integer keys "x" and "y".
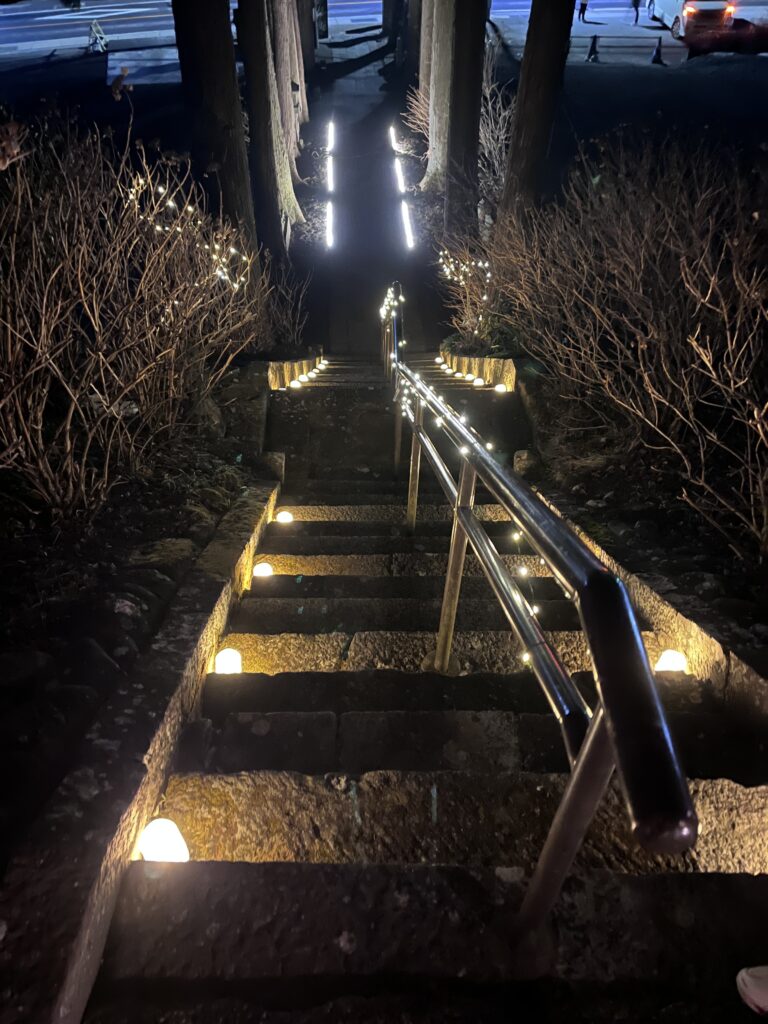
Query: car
{"x": 682, "y": 18}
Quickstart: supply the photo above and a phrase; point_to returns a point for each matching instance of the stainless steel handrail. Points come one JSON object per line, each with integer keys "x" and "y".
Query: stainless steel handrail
{"x": 628, "y": 730}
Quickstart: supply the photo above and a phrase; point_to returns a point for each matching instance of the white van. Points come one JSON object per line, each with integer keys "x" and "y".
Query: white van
{"x": 683, "y": 18}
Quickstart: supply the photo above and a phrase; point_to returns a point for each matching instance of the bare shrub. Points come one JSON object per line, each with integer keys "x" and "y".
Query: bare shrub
{"x": 497, "y": 113}
{"x": 646, "y": 286}
{"x": 287, "y": 309}
{"x": 416, "y": 116}
{"x": 122, "y": 303}
{"x": 467, "y": 279}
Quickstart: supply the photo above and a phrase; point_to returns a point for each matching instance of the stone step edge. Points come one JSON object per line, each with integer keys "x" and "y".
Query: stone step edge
{"x": 439, "y": 922}
{"x": 57, "y": 909}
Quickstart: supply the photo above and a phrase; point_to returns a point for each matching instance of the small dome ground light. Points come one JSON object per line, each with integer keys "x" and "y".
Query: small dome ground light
{"x": 228, "y": 662}
{"x": 262, "y": 570}
{"x": 671, "y": 661}
{"x": 284, "y": 517}
{"x": 162, "y": 840}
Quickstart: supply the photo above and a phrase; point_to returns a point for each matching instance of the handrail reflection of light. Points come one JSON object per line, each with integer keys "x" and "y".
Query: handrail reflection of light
{"x": 409, "y": 239}
{"x": 331, "y": 176}
{"x": 399, "y": 175}
{"x": 329, "y": 238}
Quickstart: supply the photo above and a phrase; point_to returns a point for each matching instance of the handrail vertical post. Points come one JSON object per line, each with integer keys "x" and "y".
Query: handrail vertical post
{"x": 413, "y": 478}
{"x": 399, "y": 416}
{"x": 465, "y": 498}
{"x": 583, "y": 793}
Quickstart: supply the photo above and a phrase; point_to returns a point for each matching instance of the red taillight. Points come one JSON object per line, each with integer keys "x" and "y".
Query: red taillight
{"x": 689, "y": 9}
{"x": 730, "y": 9}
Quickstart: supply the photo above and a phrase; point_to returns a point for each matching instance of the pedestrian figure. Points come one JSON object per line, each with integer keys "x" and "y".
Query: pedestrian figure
{"x": 583, "y": 10}
{"x": 636, "y": 6}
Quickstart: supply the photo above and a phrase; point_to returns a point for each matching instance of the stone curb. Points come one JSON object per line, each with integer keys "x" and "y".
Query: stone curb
{"x": 708, "y": 660}
{"x": 282, "y": 372}
{"x": 492, "y": 370}
{"x": 60, "y": 887}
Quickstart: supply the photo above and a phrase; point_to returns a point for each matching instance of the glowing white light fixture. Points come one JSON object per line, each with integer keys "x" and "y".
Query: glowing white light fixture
{"x": 312, "y": 374}
{"x": 522, "y": 570}
{"x": 526, "y": 657}
{"x": 162, "y": 840}
{"x": 399, "y": 175}
{"x": 304, "y": 378}
{"x": 535, "y": 609}
{"x": 329, "y": 225}
{"x": 331, "y": 137}
{"x": 517, "y": 536}
{"x": 392, "y": 137}
{"x": 478, "y": 382}
{"x": 331, "y": 177}
{"x": 228, "y": 662}
{"x": 464, "y": 450}
{"x": 438, "y": 360}
{"x": 263, "y": 569}
{"x": 409, "y": 239}
{"x": 469, "y": 376}
{"x": 284, "y": 517}
{"x": 500, "y": 388}
{"x": 458, "y": 373}
{"x": 295, "y": 384}
{"x": 488, "y": 446}
{"x": 671, "y": 661}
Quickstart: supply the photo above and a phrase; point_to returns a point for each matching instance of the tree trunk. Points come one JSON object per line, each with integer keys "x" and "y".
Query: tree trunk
{"x": 414, "y": 37}
{"x": 269, "y": 162}
{"x": 307, "y": 32}
{"x": 464, "y": 125}
{"x": 541, "y": 79}
{"x": 209, "y": 79}
{"x": 440, "y": 93}
{"x": 425, "y": 44}
{"x": 297, "y": 65}
{"x": 282, "y": 39}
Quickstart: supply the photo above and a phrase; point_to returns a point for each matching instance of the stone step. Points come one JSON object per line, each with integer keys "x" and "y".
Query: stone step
{"x": 390, "y": 514}
{"x": 383, "y": 690}
{"x": 474, "y": 651}
{"x": 349, "y": 529}
{"x": 379, "y": 542}
{"x": 257, "y": 613}
{"x": 542, "y": 1002}
{"x": 390, "y": 690}
{"x": 317, "y": 742}
{"x": 285, "y": 928}
{"x": 445, "y": 817}
{"x": 396, "y": 588}
{"x": 416, "y": 563}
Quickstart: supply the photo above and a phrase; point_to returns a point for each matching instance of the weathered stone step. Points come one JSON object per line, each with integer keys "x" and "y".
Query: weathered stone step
{"x": 450, "y": 817}
{"x": 394, "y": 514}
{"x": 283, "y": 927}
{"x": 542, "y": 1002}
{"x": 417, "y": 563}
{"x": 257, "y": 613}
{"x": 383, "y": 690}
{"x": 378, "y": 542}
{"x": 537, "y": 588}
{"x": 318, "y": 742}
{"x": 475, "y": 651}
{"x": 346, "y": 528}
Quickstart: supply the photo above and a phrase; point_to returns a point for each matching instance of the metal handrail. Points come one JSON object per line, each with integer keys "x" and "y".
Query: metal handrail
{"x": 628, "y": 730}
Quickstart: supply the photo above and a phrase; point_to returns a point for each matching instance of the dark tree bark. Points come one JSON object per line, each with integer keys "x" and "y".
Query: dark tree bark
{"x": 413, "y": 56}
{"x": 440, "y": 92}
{"x": 282, "y": 37}
{"x": 253, "y": 38}
{"x": 307, "y": 31}
{"x": 209, "y": 79}
{"x": 464, "y": 124}
{"x": 541, "y": 79}
{"x": 425, "y": 44}
{"x": 297, "y": 66}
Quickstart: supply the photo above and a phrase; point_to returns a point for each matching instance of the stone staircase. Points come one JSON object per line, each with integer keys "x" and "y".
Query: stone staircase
{"x": 360, "y": 831}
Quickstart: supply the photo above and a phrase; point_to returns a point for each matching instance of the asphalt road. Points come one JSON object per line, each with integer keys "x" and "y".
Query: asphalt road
{"x": 47, "y": 27}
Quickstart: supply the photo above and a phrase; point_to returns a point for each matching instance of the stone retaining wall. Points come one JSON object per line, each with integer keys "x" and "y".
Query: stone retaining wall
{"x": 59, "y": 890}
{"x": 281, "y": 373}
{"x": 492, "y": 370}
